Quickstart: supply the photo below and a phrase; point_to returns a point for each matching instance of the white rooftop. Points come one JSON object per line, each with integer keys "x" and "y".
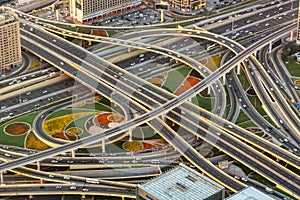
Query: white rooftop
{"x": 181, "y": 183}
{"x": 250, "y": 193}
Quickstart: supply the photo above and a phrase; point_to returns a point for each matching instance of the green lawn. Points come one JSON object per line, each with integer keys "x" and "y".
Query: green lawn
{"x": 293, "y": 67}
{"x": 80, "y": 123}
{"x": 66, "y": 111}
{"x": 206, "y": 103}
{"x": 244, "y": 81}
{"x": 96, "y": 106}
{"x": 248, "y": 124}
{"x": 242, "y": 117}
{"x": 257, "y": 104}
{"x": 16, "y": 140}
{"x": 262, "y": 180}
{"x": 175, "y": 78}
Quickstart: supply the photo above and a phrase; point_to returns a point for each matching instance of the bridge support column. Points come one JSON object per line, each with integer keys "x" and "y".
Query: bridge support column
{"x": 1, "y": 178}
{"x": 224, "y": 79}
{"x": 270, "y": 46}
{"x": 163, "y": 118}
{"x": 129, "y": 50}
{"x": 90, "y": 42}
{"x": 57, "y": 15}
{"x": 255, "y": 53}
{"x": 291, "y": 35}
{"x": 103, "y": 146}
{"x": 161, "y": 16}
{"x": 208, "y": 90}
{"x": 123, "y": 198}
{"x": 130, "y": 134}
{"x": 73, "y": 153}
{"x": 83, "y": 196}
{"x": 238, "y": 69}
{"x": 38, "y": 166}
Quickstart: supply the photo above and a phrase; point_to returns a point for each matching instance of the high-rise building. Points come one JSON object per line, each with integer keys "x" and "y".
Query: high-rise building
{"x": 10, "y": 41}
{"x": 83, "y": 10}
{"x": 181, "y": 182}
{"x": 187, "y": 5}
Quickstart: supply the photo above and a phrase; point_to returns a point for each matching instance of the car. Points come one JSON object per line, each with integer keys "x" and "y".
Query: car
{"x": 85, "y": 190}
{"x": 7, "y": 154}
{"x": 280, "y": 121}
{"x": 132, "y": 64}
{"x": 229, "y": 126}
{"x": 58, "y": 187}
{"x": 62, "y": 63}
{"x": 73, "y": 187}
{"x": 51, "y": 176}
{"x": 54, "y": 161}
{"x": 70, "y": 161}
{"x": 237, "y": 177}
{"x": 272, "y": 89}
{"x": 45, "y": 91}
{"x": 125, "y": 161}
{"x": 67, "y": 177}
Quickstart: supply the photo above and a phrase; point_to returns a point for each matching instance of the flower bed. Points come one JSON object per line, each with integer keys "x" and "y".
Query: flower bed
{"x": 32, "y": 142}
{"x": 132, "y": 146}
{"x": 57, "y": 125}
{"x": 17, "y": 128}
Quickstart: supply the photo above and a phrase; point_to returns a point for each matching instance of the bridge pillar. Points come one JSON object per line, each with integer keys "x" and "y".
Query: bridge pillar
{"x": 270, "y": 46}
{"x": 208, "y": 90}
{"x": 224, "y": 79}
{"x": 130, "y": 135}
{"x": 123, "y": 198}
{"x": 255, "y": 53}
{"x": 83, "y": 196}
{"x": 30, "y": 197}
{"x": 238, "y": 69}
{"x": 73, "y": 153}
{"x": 1, "y": 178}
{"x": 103, "y": 146}
{"x": 129, "y": 50}
{"x": 163, "y": 118}
{"x": 291, "y": 35}
{"x": 38, "y": 166}
{"x": 161, "y": 16}
{"x": 90, "y": 42}
{"x": 57, "y": 15}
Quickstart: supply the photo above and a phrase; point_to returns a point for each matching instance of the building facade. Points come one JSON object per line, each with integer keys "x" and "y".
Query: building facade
{"x": 10, "y": 41}
{"x": 187, "y": 5}
{"x": 83, "y": 10}
{"x": 298, "y": 27}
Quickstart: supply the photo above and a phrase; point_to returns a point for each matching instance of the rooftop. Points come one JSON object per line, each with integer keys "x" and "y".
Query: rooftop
{"x": 250, "y": 193}
{"x": 181, "y": 183}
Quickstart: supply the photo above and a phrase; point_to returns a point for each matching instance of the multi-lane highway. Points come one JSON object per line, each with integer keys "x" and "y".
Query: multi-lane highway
{"x": 156, "y": 102}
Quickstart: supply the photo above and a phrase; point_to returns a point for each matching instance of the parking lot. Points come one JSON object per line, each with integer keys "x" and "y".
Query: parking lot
{"x": 145, "y": 16}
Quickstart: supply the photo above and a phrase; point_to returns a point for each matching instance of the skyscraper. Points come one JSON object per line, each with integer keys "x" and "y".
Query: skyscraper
{"x": 10, "y": 42}
{"x": 83, "y": 10}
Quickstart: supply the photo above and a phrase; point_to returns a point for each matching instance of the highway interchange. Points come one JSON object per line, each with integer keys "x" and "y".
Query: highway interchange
{"x": 151, "y": 102}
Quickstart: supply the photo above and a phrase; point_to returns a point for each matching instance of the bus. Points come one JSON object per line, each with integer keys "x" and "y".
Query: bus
{"x": 92, "y": 180}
